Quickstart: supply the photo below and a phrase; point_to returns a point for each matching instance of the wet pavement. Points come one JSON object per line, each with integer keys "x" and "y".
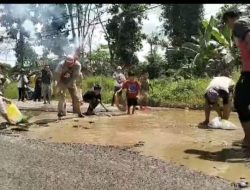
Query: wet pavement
{"x": 171, "y": 135}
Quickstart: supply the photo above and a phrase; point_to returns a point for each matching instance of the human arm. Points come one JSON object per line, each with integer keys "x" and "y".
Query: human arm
{"x": 5, "y": 116}
{"x": 7, "y": 100}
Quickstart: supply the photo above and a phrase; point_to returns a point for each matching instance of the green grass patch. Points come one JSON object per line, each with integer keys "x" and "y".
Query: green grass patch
{"x": 183, "y": 93}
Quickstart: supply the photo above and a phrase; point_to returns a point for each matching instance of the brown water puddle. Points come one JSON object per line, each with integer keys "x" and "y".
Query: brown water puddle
{"x": 169, "y": 135}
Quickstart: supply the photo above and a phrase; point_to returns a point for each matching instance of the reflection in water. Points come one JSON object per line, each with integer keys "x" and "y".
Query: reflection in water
{"x": 169, "y": 135}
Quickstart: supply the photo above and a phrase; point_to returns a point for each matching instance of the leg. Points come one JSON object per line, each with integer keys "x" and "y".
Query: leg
{"x": 22, "y": 94}
{"x": 92, "y": 105}
{"x": 61, "y": 102}
{"x": 44, "y": 92}
{"x": 49, "y": 92}
{"x": 113, "y": 98}
{"x": 227, "y": 110}
{"x": 128, "y": 105}
{"x": 19, "y": 94}
{"x": 242, "y": 103}
{"x": 39, "y": 94}
{"x": 75, "y": 100}
{"x": 134, "y": 102}
{"x": 207, "y": 113}
{"x": 218, "y": 109}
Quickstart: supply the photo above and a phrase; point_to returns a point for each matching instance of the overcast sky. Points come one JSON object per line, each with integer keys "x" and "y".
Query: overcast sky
{"x": 152, "y": 24}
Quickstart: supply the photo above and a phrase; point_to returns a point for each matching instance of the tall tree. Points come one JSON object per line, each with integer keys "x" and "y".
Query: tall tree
{"x": 13, "y": 18}
{"x": 54, "y": 19}
{"x": 124, "y": 31}
{"x": 181, "y": 21}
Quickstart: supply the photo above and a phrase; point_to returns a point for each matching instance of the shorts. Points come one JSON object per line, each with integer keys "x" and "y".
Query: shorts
{"x": 116, "y": 89}
{"x": 132, "y": 102}
{"x": 242, "y": 97}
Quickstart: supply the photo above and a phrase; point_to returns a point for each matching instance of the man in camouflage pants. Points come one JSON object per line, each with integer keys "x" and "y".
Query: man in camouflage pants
{"x": 67, "y": 74}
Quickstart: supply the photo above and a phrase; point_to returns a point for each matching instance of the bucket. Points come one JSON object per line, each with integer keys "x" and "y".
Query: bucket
{"x": 14, "y": 113}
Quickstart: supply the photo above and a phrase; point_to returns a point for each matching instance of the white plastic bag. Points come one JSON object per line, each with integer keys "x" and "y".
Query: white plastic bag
{"x": 218, "y": 123}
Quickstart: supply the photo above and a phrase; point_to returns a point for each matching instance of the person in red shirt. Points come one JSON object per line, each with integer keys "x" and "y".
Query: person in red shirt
{"x": 241, "y": 33}
{"x": 132, "y": 90}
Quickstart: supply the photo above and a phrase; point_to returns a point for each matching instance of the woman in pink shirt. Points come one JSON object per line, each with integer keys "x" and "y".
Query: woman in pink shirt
{"x": 241, "y": 33}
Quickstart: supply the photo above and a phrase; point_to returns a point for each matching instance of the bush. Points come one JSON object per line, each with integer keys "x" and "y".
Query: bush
{"x": 11, "y": 91}
{"x": 181, "y": 93}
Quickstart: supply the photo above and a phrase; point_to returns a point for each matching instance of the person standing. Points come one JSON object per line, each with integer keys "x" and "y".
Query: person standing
{"x": 132, "y": 88}
{"x": 144, "y": 92}
{"x": 38, "y": 88}
{"x": 67, "y": 72}
{"x": 241, "y": 33}
{"x": 47, "y": 78}
{"x": 22, "y": 84}
{"x": 119, "y": 80}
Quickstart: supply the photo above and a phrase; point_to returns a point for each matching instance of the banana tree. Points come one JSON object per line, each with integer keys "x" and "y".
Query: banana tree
{"x": 212, "y": 47}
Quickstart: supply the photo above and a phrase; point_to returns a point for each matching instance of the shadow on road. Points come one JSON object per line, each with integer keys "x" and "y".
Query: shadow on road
{"x": 231, "y": 155}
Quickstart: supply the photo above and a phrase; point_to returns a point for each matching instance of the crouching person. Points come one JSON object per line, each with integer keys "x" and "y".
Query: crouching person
{"x": 93, "y": 97}
{"x": 3, "y": 110}
{"x": 219, "y": 88}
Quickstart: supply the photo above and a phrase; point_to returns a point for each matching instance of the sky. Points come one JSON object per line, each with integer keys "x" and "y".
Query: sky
{"x": 152, "y": 24}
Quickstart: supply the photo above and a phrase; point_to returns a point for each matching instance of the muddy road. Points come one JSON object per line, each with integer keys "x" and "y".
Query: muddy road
{"x": 171, "y": 136}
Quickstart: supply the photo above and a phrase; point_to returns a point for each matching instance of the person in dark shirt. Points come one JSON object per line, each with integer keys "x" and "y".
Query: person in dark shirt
{"x": 93, "y": 97}
{"x": 241, "y": 33}
{"x": 46, "y": 84}
{"x": 38, "y": 88}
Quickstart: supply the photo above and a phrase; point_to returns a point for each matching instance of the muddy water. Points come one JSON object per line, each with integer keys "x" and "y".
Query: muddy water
{"x": 169, "y": 135}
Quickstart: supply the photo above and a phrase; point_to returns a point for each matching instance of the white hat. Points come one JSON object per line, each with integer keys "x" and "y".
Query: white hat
{"x": 70, "y": 60}
{"x": 119, "y": 68}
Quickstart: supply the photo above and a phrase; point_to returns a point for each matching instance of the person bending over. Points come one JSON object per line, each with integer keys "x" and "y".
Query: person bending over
{"x": 93, "y": 97}
{"x": 219, "y": 88}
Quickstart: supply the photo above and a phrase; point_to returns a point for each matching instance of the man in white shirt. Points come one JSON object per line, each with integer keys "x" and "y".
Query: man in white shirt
{"x": 219, "y": 87}
{"x": 119, "y": 80}
{"x": 22, "y": 84}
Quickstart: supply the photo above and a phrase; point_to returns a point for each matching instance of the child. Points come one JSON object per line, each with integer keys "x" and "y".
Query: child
{"x": 3, "y": 110}
{"x": 144, "y": 92}
{"x": 93, "y": 97}
{"x": 132, "y": 87}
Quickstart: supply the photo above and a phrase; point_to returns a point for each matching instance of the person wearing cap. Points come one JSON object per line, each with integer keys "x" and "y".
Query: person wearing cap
{"x": 22, "y": 84}
{"x": 119, "y": 80}
{"x": 66, "y": 74}
{"x": 219, "y": 87}
{"x": 93, "y": 97}
{"x": 241, "y": 33}
{"x": 47, "y": 78}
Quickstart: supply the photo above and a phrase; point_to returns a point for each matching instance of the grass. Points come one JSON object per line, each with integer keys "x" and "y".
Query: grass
{"x": 167, "y": 93}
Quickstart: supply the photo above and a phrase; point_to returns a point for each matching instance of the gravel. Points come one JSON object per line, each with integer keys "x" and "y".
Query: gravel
{"x": 32, "y": 164}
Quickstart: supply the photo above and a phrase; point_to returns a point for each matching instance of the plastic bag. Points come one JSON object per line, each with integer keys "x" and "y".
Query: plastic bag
{"x": 218, "y": 123}
{"x": 14, "y": 113}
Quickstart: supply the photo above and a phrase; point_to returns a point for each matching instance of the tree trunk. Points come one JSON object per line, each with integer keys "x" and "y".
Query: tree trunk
{"x": 70, "y": 9}
{"x": 107, "y": 37}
